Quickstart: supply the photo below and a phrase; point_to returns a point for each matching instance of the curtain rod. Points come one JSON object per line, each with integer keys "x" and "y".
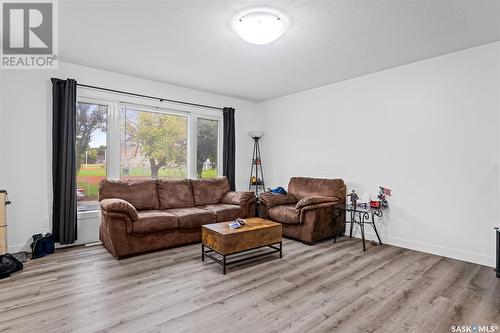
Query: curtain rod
{"x": 161, "y": 99}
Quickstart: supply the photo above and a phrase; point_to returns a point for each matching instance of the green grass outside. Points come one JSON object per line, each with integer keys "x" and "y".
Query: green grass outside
{"x": 97, "y": 171}
{"x": 211, "y": 173}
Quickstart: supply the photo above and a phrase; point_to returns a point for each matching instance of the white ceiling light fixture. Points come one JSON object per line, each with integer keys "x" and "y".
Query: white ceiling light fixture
{"x": 260, "y": 25}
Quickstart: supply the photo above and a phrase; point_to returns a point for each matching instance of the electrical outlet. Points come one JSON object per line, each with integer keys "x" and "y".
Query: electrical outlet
{"x": 45, "y": 223}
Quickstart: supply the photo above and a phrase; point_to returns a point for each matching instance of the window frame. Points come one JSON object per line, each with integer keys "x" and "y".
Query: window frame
{"x": 115, "y": 101}
{"x": 110, "y": 106}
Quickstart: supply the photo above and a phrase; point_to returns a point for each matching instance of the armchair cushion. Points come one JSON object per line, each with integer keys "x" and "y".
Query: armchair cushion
{"x": 302, "y": 187}
{"x": 271, "y": 200}
{"x": 237, "y": 198}
{"x": 119, "y": 206}
{"x": 285, "y": 214}
{"x": 307, "y": 201}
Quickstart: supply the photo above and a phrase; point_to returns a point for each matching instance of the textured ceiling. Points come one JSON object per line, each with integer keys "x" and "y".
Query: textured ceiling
{"x": 190, "y": 43}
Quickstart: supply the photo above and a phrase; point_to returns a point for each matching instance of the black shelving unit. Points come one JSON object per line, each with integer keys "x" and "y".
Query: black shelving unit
{"x": 256, "y": 175}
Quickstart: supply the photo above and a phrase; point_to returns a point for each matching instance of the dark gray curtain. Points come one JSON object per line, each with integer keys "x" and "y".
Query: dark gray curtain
{"x": 64, "y": 160}
{"x": 228, "y": 150}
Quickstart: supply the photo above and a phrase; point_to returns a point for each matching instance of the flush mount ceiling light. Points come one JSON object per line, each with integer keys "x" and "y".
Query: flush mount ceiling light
{"x": 260, "y": 25}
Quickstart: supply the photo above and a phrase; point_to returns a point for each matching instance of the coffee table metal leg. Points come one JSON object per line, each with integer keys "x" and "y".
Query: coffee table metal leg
{"x": 202, "y": 252}
{"x": 281, "y": 249}
{"x": 224, "y": 264}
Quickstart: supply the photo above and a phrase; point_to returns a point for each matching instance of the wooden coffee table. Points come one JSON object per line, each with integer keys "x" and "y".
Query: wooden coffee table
{"x": 227, "y": 242}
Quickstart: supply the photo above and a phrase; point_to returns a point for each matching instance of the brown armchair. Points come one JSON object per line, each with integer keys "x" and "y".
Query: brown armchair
{"x": 306, "y": 211}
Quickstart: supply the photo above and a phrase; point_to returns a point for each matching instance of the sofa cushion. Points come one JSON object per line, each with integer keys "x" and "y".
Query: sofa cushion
{"x": 175, "y": 193}
{"x": 238, "y": 198}
{"x": 302, "y": 187}
{"x": 209, "y": 191}
{"x": 192, "y": 217}
{"x": 284, "y": 214}
{"x": 141, "y": 194}
{"x": 224, "y": 212}
{"x": 153, "y": 221}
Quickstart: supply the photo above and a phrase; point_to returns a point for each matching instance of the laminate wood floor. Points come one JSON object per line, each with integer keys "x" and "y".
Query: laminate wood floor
{"x": 323, "y": 288}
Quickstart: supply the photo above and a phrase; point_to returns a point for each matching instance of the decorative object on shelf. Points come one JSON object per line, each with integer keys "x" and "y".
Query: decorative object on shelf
{"x": 354, "y": 198}
{"x": 382, "y": 193}
{"x": 256, "y": 174}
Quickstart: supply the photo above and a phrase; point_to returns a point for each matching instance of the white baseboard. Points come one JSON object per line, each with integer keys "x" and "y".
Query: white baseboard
{"x": 18, "y": 248}
{"x": 429, "y": 248}
{"x": 26, "y": 247}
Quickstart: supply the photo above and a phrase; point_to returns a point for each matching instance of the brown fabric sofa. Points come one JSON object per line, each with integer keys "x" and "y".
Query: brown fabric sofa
{"x": 146, "y": 215}
{"x": 306, "y": 211}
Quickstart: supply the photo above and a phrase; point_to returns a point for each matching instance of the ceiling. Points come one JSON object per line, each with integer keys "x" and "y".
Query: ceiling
{"x": 190, "y": 43}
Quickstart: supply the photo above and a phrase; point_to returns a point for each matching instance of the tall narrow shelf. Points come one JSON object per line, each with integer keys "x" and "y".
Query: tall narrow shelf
{"x": 256, "y": 181}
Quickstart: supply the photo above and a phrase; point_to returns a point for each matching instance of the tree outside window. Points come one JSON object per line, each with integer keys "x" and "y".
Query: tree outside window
{"x": 90, "y": 149}
{"x": 152, "y": 145}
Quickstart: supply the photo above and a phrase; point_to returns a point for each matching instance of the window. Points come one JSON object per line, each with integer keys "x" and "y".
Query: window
{"x": 91, "y": 146}
{"x": 152, "y": 144}
{"x": 207, "y": 139}
{"x": 121, "y": 140}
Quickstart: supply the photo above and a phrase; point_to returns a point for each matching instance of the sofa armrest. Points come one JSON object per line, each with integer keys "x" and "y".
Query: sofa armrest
{"x": 237, "y": 198}
{"x": 119, "y": 206}
{"x": 313, "y": 200}
{"x": 271, "y": 200}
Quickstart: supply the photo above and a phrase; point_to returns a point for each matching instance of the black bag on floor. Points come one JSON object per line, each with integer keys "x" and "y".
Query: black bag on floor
{"x": 42, "y": 244}
{"x": 8, "y": 265}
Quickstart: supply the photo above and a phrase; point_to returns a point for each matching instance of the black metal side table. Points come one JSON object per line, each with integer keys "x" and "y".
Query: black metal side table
{"x": 360, "y": 216}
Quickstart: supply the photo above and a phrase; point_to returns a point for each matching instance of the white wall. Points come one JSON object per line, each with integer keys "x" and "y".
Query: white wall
{"x": 428, "y": 130}
{"x": 25, "y": 129}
